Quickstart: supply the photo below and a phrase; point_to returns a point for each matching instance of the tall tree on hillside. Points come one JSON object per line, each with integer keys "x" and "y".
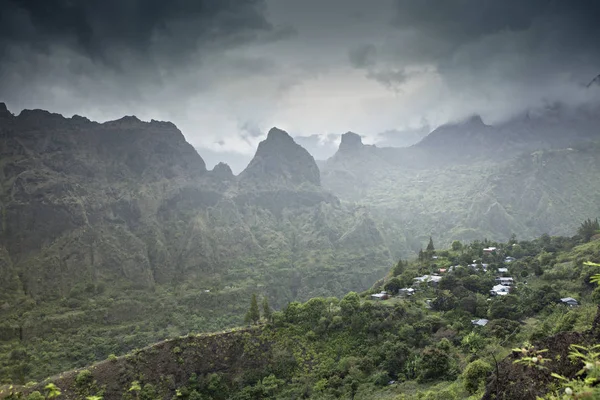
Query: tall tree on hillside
{"x": 588, "y": 229}
{"x": 399, "y": 268}
{"x": 457, "y": 245}
{"x": 267, "y": 312}
{"x": 253, "y": 314}
{"x": 430, "y": 248}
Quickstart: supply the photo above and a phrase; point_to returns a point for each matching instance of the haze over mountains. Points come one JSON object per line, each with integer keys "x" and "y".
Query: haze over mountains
{"x": 127, "y": 209}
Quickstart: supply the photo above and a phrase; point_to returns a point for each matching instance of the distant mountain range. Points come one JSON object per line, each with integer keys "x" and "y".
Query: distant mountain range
{"x": 533, "y": 174}
{"x": 321, "y": 147}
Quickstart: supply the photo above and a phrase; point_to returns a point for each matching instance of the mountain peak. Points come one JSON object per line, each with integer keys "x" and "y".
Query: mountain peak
{"x": 280, "y": 160}
{"x": 351, "y": 141}
{"x": 4, "y": 113}
{"x": 473, "y": 120}
{"x": 223, "y": 171}
{"x": 278, "y": 134}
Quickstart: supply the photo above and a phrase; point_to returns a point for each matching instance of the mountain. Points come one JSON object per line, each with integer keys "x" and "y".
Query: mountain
{"x": 120, "y": 225}
{"x": 532, "y": 174}
{"x": 280, "y": 161}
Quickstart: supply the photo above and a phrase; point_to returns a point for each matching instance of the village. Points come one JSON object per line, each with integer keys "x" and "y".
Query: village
{"x": 504, "y": 283}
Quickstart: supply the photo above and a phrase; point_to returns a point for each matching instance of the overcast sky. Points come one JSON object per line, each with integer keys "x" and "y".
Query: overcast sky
{"x": 225, "y": 71}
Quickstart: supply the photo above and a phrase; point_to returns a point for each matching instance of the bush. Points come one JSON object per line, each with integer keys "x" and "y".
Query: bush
{"x": 84, "y": 379}
{"x": 381, "y": 378}
{"x": 475, "y": 374}
{"x": 35, "y": 396}
{"x": 434, "y": 364}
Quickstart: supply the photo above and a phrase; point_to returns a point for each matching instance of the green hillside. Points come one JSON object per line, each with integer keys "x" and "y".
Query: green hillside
{"x": 524, "y": 194}
{"x": 422, "y": 346}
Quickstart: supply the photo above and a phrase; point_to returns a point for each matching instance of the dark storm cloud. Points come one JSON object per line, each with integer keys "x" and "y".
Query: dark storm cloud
{"x": 143, "y": 28}
{"x": 555, "y": 35}
{"x": 493, "y": 57}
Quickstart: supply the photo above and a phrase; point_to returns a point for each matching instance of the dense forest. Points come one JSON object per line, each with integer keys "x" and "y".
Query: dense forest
{"x": 449, "y": 339}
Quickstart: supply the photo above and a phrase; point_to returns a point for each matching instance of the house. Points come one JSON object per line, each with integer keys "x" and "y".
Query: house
{"x": 506, "y": 281}
{"x": 406, "y": 292}
{"x": 508, "y": 260}
{"x": 500, "y": 290}
{"x": 475, "y": 266}
{"x": 503, "y": 270}
{"x": 489, "y": 249}
{"x": 380, "y": 296}
{"x": 479, "y": 322}
{"x": 432, "y": 279}
{"x": 569, "y": 301}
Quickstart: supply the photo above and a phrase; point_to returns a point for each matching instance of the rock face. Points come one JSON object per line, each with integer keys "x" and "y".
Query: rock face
{"x": 350, "y": 142}
{"x": 279, "y": 161}
{"x": 4, "y": 113}
{"x": 131, "y": 201}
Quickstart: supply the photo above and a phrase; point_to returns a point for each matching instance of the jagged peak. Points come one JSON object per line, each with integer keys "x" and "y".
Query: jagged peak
{"x": 4, "y": 111}
{"x": 473, "y": 120}
{"x": 79, "y": 118}
{"x": 26, "y": 113}
{"x": 127, "y": 119}
{"x": 280, "y": 159}
{"x": 278, "y": 134}
{"x": 223, "y": 171}
{"x": 351, "y": 141}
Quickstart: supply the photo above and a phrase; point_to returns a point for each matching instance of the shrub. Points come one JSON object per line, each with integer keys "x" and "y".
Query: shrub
{"x": 35, "y": 396}
{"x": 84, "y": 378}
{"x": 474, "y": 374}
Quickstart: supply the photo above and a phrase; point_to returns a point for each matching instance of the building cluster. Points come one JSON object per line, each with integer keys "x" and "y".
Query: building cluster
{"x": 503, "y": 283}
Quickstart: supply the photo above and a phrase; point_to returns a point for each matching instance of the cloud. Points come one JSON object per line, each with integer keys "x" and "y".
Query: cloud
{"x": 390, "y": 78}
{"x": 363, "y": 56}
{"x": 226, "y": 71}
{"x": 146, "y": 29}
{"x": 130, "y": 50}
{"x": 487, "y": 56}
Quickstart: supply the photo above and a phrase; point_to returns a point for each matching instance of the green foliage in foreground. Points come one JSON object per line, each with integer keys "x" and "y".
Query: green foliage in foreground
{"x": 357, "y": 348}
{"x": 423, "y": 346}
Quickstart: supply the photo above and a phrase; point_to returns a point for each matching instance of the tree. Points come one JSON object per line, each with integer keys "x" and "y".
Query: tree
{"x": 457, "y": 246}
{"x": 393, "y": 285}
{"x": 267, "y": 312}
{"x": 588, "y": 229}
{"x": 253, "y": 314}
{"x": 475, "y": 374}
{"x": 430, "y": 248}
{"x": 434, "y": 364}
{"x": 505, "y": 307}
{"x": 445, "y": 301}
{"x": 399, "y": 268}
{"x": 350, "y": 304}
